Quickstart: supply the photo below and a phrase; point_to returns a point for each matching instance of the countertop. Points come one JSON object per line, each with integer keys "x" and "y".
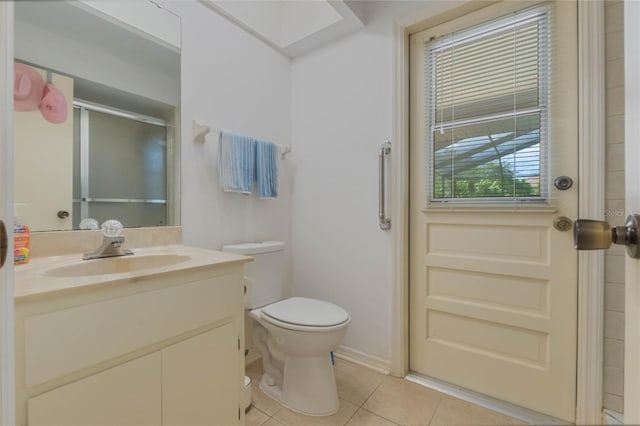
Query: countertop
{"x": 30, "y": 279}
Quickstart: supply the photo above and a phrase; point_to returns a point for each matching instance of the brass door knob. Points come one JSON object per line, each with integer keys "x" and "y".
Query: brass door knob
{"x": 598, "y": 235}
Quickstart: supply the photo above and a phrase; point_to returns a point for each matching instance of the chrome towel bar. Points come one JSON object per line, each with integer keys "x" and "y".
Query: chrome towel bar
{"x": 385, "y": 151}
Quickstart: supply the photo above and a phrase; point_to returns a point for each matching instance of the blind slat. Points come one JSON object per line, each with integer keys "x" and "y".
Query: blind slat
{"x": 487, "y": 110}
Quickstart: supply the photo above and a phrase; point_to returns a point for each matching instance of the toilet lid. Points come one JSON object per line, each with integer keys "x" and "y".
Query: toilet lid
{"x": 307, "y": 312}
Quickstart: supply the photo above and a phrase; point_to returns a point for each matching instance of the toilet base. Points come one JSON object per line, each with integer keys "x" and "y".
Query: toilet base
{"x": 247, "y": 393}
{"x": 308, "y": 387}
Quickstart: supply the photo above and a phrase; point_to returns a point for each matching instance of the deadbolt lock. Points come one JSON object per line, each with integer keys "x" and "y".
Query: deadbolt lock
{"x": 563, "y": 183}
{"x": 598, "y": 235}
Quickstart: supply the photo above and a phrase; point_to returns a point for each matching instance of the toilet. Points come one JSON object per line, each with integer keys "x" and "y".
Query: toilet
{"x": 295, "y": 336}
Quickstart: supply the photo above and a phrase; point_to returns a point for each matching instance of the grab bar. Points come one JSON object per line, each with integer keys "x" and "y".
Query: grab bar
{"x": 385, "y": 222}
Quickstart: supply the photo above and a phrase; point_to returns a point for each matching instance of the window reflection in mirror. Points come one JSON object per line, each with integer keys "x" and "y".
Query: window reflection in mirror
{"x": 115, "y": 154}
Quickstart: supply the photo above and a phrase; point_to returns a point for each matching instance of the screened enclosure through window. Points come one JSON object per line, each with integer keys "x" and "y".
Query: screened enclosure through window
{"x": 487, "y": 97}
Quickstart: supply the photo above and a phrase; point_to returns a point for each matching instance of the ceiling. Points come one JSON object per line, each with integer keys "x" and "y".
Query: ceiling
{"x": 292, "y": 26}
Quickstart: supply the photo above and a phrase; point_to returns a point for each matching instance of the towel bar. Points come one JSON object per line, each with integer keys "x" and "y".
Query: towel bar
{"x": 200, "y": 131}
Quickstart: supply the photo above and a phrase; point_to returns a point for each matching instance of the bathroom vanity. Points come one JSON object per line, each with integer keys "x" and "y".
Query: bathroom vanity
{"x": 155, "y": 341}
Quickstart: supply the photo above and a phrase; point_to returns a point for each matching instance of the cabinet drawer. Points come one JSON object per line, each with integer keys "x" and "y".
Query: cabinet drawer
{"x": 61, "y": 342}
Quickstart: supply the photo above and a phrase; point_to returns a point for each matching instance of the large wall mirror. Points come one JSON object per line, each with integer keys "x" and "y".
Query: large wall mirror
{"x": 97, "y": 101}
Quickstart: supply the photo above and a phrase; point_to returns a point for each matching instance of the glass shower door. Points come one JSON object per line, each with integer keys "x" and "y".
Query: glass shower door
{"x": 123, "y": 169}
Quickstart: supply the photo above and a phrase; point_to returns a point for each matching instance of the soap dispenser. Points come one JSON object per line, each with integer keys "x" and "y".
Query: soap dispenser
{"x": 21, "y": 238}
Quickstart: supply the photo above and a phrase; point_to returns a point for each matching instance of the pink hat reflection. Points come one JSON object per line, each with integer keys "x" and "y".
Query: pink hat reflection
{"x": 27, "y": 87}
{"x": 53, "y": 105}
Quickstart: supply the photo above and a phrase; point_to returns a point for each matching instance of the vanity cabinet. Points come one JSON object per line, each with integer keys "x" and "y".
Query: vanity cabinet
{"x": 129, "y": 394}
{"x": 165, "y": 349}
{"x": 196, "y": 375}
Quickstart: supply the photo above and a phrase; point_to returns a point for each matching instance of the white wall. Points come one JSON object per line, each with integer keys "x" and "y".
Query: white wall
{"x": 96, "y": 57}
{"x": 342, "y": 111}
{"x": 335, "y": 107}
{"x": 234, "y": 82}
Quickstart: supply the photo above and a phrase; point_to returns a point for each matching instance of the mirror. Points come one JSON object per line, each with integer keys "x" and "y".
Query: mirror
{"x": 97, "y": 99}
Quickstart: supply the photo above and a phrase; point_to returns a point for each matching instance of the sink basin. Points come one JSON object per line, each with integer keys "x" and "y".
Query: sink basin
{"x": 116, "y": 265}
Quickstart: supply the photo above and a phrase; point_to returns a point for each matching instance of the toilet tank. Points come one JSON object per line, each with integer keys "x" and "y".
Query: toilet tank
{"x": 265, "y": 274}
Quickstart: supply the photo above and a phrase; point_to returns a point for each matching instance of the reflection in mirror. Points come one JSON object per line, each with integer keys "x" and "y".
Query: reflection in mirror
{"x": 106, "y": 143}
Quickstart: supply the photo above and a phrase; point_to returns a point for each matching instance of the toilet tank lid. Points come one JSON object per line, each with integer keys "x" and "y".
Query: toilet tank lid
{"x": 254, "y": 248}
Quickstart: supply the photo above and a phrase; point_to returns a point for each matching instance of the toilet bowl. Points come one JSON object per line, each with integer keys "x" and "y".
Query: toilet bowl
{"x": 296, "y": 344}
{"x": 295, "y": 336}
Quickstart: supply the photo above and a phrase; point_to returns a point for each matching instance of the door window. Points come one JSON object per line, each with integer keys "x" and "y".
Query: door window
{"x": 487, "y": 97}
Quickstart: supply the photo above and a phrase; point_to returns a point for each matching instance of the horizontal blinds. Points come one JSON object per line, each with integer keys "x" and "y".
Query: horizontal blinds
{"x": 487, "y": 110}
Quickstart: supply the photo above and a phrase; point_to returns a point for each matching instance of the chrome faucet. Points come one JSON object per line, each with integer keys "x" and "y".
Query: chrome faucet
{"x": 111, "y": 243}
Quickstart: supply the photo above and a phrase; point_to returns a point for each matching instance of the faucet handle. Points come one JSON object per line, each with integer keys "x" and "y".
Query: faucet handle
{"x": 111, "y": 228}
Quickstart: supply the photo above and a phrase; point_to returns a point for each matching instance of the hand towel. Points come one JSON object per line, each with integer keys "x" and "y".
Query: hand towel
{"x": 267, "y": 169}
{"x": 236, "y": 162}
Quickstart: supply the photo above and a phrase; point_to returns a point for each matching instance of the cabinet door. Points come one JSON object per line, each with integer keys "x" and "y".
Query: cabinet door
{"x": 129, "y": 394}
{"x": 201, "y": 379}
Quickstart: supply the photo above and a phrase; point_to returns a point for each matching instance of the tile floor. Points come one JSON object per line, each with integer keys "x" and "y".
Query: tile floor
{"x": 368, "y": 398}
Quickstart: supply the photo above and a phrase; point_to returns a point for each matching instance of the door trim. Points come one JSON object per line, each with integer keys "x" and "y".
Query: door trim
{"x": 632, "y": 201}
{"x": 591, "y": 166}
{"x": 591, "y": 204}
{"x": 7, "y": 381}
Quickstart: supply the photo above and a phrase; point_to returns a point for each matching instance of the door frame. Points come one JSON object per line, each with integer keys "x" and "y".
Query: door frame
{"x": 591, "y": 154}
{"x": 7, "y": 381}
{"x": 632, "y": 200}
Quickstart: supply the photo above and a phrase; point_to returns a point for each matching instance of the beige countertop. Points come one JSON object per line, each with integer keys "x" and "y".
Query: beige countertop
{"x": 32, "y": 279}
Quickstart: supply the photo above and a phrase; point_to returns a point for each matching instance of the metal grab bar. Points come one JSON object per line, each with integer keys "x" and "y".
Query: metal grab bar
{"x": 385, "y": 222}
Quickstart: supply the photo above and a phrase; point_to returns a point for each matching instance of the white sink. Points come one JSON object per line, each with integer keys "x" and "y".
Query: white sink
{"x": 116, "y": 265}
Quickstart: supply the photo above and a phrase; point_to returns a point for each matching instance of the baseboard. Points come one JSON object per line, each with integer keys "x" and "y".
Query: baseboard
{"x": 613, "y": 417}
{"x": 373, "y": 362}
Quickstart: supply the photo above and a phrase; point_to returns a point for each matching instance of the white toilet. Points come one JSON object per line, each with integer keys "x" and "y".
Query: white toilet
{"x": 295, "y": 336}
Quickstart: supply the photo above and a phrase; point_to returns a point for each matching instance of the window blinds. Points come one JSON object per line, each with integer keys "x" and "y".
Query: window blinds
{"x": 487, "y": 97}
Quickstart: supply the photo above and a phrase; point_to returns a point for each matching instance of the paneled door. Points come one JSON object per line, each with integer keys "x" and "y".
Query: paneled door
{"x": 7, "y": 412}
{"x": 493, "y": 272}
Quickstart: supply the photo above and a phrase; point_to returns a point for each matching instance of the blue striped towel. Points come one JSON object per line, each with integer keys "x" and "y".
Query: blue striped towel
{"x": 267, "y": 169}
{"x": 236, "y": 162}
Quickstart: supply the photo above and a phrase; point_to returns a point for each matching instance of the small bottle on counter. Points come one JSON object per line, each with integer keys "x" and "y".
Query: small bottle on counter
{"x": 21, "y": 239}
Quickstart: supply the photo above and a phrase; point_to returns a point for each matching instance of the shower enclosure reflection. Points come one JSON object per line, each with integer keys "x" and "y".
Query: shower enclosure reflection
{"x": 120, "y": 166}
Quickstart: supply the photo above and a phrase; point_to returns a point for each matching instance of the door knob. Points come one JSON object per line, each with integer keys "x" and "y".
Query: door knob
{"x": 598, "y": 235}
{"x": 4, "y": 244}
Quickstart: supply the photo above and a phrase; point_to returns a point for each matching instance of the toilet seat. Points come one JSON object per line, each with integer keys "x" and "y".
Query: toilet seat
{"x": 305, "y": 314}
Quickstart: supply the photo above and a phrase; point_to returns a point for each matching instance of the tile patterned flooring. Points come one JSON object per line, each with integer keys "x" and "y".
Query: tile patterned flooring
{"x": 368, "y": 398}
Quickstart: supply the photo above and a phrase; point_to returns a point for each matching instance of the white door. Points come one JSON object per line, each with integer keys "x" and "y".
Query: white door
{"x": 632, "y": 193}
{"x": 6, "y": 213}
{"x": 493, "y": 285}
{"x": 44, "y": 180}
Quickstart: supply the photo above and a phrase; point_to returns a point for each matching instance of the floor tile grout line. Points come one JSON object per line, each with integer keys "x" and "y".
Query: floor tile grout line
{"x": 433, "y": 415}
{"x": 352, "y": 416}
{"x": 373, "y": 391}
{"x": 382, "y": 417}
